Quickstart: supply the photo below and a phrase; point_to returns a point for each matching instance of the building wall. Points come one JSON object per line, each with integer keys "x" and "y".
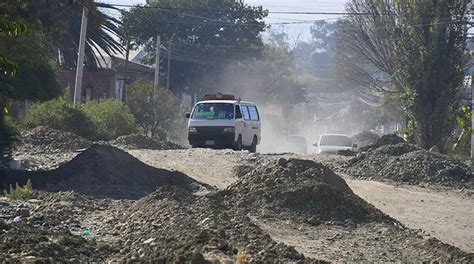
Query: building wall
{"x": 100, "y": 83}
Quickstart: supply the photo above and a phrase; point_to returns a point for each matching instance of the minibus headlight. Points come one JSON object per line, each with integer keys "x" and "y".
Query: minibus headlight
{"x": 193, "y": 130}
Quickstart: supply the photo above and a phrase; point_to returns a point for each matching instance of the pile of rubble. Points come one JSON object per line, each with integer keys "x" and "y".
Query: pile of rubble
{"x": 409, "y": 164}
{"x": 44, "y": 148}
{"x": 365, "y": 138}
{"x": 137, "y": 141}
{"x": 172, "y": 225}
{"x": 302, "y": 190}
{"x": 23, "y": 238}
{"x": 106, "y": 172}
{"x": 390, "y": 139}
{"x": 24, "y": 242}
{"x": 45, "y": 140}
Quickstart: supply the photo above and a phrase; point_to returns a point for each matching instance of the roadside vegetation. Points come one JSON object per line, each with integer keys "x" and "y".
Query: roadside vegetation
{"x": 157, "y": 110}
{"x": 22, "y": 193}
{"x": 94, "y": 120}
{"x": 417, "y": 50}
{"x": 359, "y": 56}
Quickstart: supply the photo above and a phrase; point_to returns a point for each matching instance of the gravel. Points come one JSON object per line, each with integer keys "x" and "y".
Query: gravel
{"x": 390, "y": 139}
{"x": 137, "y": 141}
{"x": 365, "y": 138}
{"x": 412, "y": 165}
{"x": 174, "y": 223}
{"x": 46, "y": 140}
{"x": 105, "y": 172}
{"x": 137, "y": 213}
{"x": 301, "y": 190}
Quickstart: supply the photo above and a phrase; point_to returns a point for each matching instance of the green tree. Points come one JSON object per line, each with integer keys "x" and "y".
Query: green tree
{"x": 8, "y": 68}
{"x": 206, "y": 35}
{"x": 35, "y": 73}
{"x": 316, "y": 55}
{"x": 60, "y": 21}
{"x": 7, "y": 28}
{"x": 154, "y": 108}
{"x": 27, "y": 73}
{"x": 414, "y": 49}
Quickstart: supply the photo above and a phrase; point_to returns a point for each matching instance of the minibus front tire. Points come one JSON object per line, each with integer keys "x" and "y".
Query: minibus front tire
{"x": 238, "y": 144}
{"x": 253, "y": 147}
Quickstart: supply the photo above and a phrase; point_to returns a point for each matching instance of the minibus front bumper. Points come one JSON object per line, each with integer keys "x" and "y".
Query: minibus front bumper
{"x": 211, "y": 137}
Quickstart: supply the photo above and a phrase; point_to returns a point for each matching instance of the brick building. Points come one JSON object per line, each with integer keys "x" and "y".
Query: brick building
{"x": 111, "y": 81}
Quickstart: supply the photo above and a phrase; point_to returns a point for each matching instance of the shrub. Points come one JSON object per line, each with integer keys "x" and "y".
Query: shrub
{"x": 21, "y": 193}
{"x": 59, "y": 114}
{"x": 156, "y": 109}
{"x": 94, "y": 120}
{"x": 9, "y": 129}
{"x": 111, "y": 118}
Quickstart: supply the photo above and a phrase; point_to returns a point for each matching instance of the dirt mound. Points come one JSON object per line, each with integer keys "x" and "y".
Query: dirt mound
{"x": 104, "y": 171}
{"x": 242, "y": 170}
{"x": 172, "y": 225}
{"x": 410, "y": 164}
{"x": 24, "y": 243}
{"x": 346, "y": 153}
{"x": 391, "y": 139}
{"x": 365, "y": 138}
{"x": 137, "y": 141}
{"x": 44, "y": 139}
{"x": 300, "y": 189}
{"x": 27, "y": 238}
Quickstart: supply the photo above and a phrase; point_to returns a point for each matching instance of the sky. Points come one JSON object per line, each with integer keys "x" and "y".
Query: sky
{"x": 295, "y": 31}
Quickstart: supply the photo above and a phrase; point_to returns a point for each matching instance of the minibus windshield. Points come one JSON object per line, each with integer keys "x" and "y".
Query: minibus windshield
{"x": 211, "y": 111}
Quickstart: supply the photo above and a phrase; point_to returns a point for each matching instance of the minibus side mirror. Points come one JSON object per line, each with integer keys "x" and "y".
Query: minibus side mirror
{"x": 188, "y": 115}
{"x": 315, "y": 144}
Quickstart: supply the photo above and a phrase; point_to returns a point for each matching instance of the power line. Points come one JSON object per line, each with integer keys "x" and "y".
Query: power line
{"x": 171, "y": 9}
{"x": 217, "y": 22}
{"x": 220, "y": 10}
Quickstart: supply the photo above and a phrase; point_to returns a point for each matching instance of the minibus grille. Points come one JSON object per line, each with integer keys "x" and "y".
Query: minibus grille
{"x": 210, "y": 130}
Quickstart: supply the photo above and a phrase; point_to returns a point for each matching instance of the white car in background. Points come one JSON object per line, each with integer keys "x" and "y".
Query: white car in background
{"x": 332, "y": 143}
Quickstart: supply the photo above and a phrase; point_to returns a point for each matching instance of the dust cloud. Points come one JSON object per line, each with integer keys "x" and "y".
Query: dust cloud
{"x": 290, "y": 127}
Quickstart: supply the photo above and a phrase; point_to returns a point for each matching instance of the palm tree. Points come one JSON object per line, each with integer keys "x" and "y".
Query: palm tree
{"x": 60, "y": 21}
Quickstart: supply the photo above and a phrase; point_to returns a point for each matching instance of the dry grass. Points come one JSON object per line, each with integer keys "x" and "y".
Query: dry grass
{"x": 23, "y": 193}
{"x": 241, "y": 257}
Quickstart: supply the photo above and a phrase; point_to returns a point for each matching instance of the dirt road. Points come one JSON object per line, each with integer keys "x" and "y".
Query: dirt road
{"x": 447, "y": 216}
{"x": 213, "y": 167}
{"x": 288, "y": 205}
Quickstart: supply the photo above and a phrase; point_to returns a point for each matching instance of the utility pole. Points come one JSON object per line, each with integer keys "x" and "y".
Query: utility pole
{"x": 472, "y": 120}
{"x": 169, "y": 66}
{"x": 125, "y": 75}
{"x": 80, "y": 59}
{"x": 157, "y": 62}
